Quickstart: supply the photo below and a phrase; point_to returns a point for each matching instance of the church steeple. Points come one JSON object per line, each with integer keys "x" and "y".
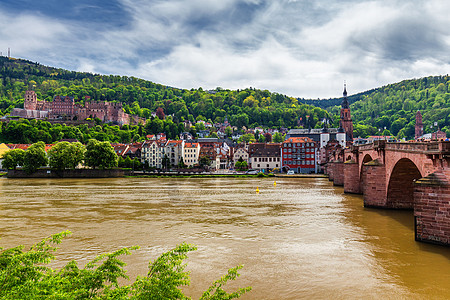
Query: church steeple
{"x": 345, "y": 103}
{"x": 346, "y": 123}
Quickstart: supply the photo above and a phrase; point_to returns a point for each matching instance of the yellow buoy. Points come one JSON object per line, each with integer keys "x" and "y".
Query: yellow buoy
{"x": 257, "y": 190}
{"x": 275, "y": 183}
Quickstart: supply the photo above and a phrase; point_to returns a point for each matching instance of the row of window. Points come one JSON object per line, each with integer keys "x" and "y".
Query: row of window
{"x": 298, "y": 145}
{"x": 267, "y": 166}
{"x": 299, "y": 162}
{"x": 298, "y": 156}
{"x": 311, "y": 150}
{"x": 266, "y": 159}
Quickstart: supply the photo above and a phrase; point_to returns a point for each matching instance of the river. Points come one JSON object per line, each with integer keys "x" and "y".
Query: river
{"x": 302, "y": 238}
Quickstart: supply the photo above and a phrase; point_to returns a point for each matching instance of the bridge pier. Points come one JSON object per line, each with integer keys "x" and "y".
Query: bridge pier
{"x": 351, "y": 178}
{"x": 432, "y": 209}
{"x": 330, "y": 171}
{"x": 374, "y": 189}
{"x": 338, "y": 176}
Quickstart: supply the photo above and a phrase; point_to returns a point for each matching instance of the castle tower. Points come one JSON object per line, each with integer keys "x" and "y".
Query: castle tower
{"x": 30, "y": 101}
{"x": 419, "y": 125}
{"x": 346, "y": 119}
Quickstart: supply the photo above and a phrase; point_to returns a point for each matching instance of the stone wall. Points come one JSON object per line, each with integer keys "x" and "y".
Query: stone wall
{"x": 338, "y": 177}
{"x": 330, "y": 171}
{"x": 432, "y": 209}
{"x": 374, "y": 188}
{"x": 351, "y": 178}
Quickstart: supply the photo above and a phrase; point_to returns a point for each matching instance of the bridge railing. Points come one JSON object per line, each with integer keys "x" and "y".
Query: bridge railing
{"x": 436, "y": 146}
{"x": 444, "y": 146}
{"x": 414, "y": 147}
{"x": 433, "y": 147}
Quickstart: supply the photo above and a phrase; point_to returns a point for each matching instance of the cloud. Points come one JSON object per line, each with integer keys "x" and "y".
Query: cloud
{"x": 29, "y": 33}
{"x": 300, "y": 48}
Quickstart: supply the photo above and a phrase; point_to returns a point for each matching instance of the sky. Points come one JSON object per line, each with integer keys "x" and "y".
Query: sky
{"x": 303, "y": 49}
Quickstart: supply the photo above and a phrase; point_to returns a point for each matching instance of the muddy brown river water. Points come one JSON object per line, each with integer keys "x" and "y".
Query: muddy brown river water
{"x": 303, "y": 239}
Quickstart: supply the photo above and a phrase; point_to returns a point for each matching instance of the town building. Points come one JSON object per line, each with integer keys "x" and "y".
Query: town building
{"x": 299, "y": 155}
{"x": 174, "y": 151}
{"x": 209, "y": 147}
{"x": 265, "y": 156}
{"x": 191, "y": 154}
{"x": 326, "y": 138}
{"x": 3, "y": 149}
{"x": 438, "y": 135}
{"x": 153, "y": 152}
{"x": 241, "y": 152}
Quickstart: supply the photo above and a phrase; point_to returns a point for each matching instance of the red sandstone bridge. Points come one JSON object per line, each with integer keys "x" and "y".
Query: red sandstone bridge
{"x": 401, "y": 176}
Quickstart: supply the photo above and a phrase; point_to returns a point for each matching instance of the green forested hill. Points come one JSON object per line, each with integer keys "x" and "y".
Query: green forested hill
{"x": 249, "y": 107}
{"x": 394, "y": 107}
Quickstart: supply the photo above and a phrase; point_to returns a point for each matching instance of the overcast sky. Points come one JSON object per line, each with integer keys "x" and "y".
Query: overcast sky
{"x": 295, "y": 47}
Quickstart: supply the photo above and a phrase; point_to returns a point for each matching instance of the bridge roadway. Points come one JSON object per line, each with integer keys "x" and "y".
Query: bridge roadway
{"x": 401, "y": 176}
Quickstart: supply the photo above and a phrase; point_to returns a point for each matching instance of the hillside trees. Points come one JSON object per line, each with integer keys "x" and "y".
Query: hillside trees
{"x": 143, "y": 97}
{"x": 394, "y": 106}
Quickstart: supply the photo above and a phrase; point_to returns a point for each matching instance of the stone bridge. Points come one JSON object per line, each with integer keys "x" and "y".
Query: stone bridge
{"x": 401, "y": 176}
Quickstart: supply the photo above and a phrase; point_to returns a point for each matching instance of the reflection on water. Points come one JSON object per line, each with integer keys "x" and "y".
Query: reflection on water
{"x": 301, "y": 239}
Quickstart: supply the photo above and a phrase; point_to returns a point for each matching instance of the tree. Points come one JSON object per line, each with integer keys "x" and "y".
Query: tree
{"x": 65, "y": 155}
{"x": 241, "y": 164}
{"x": 35, "y": 157}
{"x": 26, "y": 275}
{"x": 268, "y": 137}
{"x": 160, "y": 113}
{"x": 199, "y": 126}
{"x": 213, "y": 135}
{"x": 247, "y": 138}
{"x": 181, "y": 164}
{"x": 277, "y": 137}
{"x": 386, "y": 133}
{"x": 204, "y": 161}
{"x": 13, "y": 158}
{"x": 228, "y": 131}
{"x": 165, "y": 162}
{"x": 100, "y": 154}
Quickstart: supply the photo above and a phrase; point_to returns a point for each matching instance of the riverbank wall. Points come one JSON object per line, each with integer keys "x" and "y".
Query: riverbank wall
{"x": 77, "y": 173}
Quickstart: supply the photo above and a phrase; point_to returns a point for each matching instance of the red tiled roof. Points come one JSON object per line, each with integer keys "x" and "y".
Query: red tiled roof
{"x": 298, "y": 140}
{"x": 190, "y": 145}
{"x": 18, "y": 146}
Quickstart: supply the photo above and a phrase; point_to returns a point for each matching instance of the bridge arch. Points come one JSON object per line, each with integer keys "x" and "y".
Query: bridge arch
{"x": 365, "y": 160}
{"x": 400, "y": 191}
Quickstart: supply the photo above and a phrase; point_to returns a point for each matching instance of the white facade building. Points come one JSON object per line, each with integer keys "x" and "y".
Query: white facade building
{"x": 191, "y": 153}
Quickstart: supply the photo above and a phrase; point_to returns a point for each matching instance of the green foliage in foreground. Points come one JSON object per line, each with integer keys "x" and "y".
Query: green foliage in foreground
{"x": 25, "y": 275}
